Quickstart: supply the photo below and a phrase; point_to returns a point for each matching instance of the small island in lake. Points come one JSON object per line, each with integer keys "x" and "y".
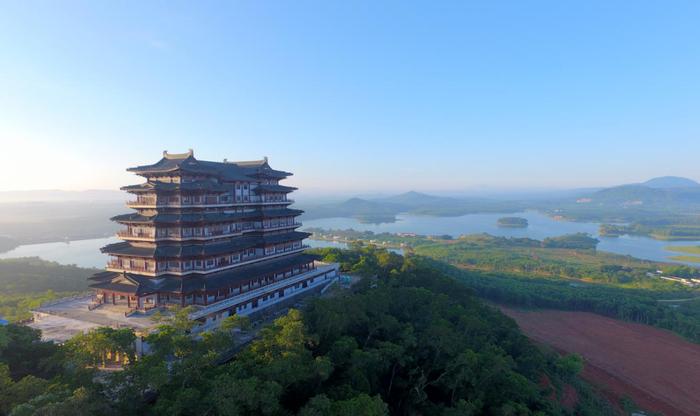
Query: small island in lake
{"x": 512, "y": 222}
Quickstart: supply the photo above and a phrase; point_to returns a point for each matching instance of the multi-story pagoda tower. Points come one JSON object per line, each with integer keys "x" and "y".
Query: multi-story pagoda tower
{"x": 217, "y": 235}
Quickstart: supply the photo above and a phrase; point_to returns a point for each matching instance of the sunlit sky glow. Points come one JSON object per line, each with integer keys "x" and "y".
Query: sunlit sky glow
{"x": 353, "y": 96}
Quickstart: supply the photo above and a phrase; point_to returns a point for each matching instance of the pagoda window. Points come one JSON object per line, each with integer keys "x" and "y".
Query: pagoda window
{"x": 269, "y": 250}
{"x": 198, "y": 231}
{"x": 187, "y": 265}
{"x": 210, "y": 263}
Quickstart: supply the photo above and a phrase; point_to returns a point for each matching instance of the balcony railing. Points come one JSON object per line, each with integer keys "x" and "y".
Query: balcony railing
{"x": 178, "y": 234}
{"x": 135, "y": 234}
{"x": 118, "y": 265}
{"x": 269, "y": 288}
{"x": 176, "y": 203}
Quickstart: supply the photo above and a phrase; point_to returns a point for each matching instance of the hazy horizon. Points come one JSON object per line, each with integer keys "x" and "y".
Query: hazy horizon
{"x": 315, "y": 195}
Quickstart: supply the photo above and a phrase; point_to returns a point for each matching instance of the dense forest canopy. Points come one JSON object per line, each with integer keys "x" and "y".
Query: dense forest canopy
{"x": 407, "y": 339}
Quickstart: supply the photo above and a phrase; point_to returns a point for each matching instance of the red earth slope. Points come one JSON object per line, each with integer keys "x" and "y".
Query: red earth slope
{"x": 657, "y": 369}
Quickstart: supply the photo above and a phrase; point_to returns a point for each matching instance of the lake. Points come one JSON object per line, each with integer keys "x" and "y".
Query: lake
{"x": 86, "y": 253}
{"x": 540, "y": 226}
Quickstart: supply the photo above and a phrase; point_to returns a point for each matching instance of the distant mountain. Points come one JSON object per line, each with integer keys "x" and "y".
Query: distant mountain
{"x": 385, "y": 209}
{"x": 664, "y": 192}
{"x": 629, "y": 194}
{"x": 668, "y": 182}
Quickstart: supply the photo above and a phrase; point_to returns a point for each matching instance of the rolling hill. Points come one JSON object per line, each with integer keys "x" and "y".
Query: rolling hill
{"x": 662, "y": 192}
{"x": 667, "y": 182}
{"x": 385, "y": 209}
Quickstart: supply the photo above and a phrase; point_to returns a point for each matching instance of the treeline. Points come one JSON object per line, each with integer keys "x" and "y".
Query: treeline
{"x": 658, "y": 231}
{"x": 408, "y": 339}
{"x": 578, "y": 241}
{"x": 635, "y": 305}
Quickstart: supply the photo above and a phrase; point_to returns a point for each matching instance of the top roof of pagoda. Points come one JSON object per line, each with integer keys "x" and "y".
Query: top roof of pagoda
{"x": 186, "y": 162}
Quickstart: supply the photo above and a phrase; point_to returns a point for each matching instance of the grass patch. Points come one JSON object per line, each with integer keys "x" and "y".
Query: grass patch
{"x": 685, "y": 249}
{"x": 688, "y": 259}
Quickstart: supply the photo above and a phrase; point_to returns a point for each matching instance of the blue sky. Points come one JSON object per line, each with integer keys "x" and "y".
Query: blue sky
{"x": 353, "y": 96}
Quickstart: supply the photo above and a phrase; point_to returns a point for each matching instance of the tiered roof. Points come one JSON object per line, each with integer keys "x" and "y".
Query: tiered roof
{"x": 230, "y": 171}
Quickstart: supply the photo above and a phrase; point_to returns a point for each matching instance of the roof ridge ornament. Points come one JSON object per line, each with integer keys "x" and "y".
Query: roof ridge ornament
{"x": 190, "y": 153}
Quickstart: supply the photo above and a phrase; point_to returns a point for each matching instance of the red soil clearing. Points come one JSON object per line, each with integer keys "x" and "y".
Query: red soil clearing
{"x": 657, "y": 369}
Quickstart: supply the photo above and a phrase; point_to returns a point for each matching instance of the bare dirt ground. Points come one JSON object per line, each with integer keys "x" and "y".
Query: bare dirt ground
{"x": 657, "y": 369}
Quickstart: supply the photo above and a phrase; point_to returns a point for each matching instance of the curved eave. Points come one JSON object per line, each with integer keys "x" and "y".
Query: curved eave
{"x": 275, "y": 188}
{"x": 135, "y": 218}
{"x": 201, "y": 250}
